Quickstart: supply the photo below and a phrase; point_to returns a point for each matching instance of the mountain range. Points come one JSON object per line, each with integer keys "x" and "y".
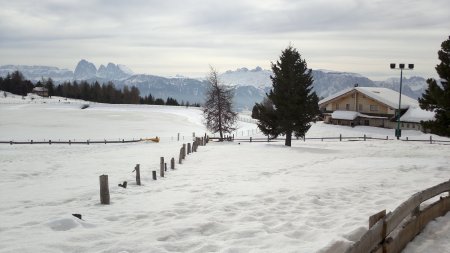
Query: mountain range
{"x": 250, "y": 85}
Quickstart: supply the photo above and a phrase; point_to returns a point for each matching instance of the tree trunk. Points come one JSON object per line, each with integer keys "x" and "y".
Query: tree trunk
{"x": 288, "y": 138}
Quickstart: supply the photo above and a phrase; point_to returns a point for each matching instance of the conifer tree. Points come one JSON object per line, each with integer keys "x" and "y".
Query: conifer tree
{"x": 437, "y": 96}
{"x": 291, "y": 104}
{"x": 217, "y": 110}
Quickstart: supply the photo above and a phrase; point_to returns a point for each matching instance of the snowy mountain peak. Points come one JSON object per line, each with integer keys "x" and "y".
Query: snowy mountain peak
{"x": 85, "y": 70}
{"x": 125, "y": 69}
{"x": 256, "y": 77}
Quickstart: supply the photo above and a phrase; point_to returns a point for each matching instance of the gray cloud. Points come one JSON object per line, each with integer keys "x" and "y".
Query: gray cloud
{"x": 169, "y": 37}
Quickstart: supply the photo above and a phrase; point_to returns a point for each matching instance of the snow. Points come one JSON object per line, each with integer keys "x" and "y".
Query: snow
{"x": 228, "y": 197}
{"x": 384, "y": 95}
{"x": 415, "y": 114}
{"x": 388, "y": 97}
{"x": 346, "y": 115}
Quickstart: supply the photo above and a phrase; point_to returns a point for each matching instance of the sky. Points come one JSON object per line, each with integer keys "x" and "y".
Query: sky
{"x": 185, "y": 37}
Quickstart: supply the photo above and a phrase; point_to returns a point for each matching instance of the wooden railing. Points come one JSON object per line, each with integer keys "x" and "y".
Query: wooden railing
{"x": 391, "y": 233}
{"x": 71, "y": 142}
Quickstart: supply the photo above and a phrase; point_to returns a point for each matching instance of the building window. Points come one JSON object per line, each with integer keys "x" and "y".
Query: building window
{"x": 360, "y": 107}
{"x": 366, "y": 122}
{"x": 407, "y": 125}
{"x": 413, "y": 125}
{"x": 347, "y": 107}
{"x": 374, "y": 108}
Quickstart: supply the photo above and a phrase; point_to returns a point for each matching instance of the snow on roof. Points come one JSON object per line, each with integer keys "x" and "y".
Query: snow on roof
{"x": 388, "y": 97}
{"x": 415, "y": 114}
{"x": 347, "y": 115}
{"x": 351, "y": 115}
{"x": 39, "y": 89}
{"x": 384, "y": 95}
{"x": 335, "y": 95}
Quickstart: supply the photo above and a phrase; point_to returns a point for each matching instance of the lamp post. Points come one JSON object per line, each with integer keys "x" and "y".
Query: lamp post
{"x": 401, "y": 66}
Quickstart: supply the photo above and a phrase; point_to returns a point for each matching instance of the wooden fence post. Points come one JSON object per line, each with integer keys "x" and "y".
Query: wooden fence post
{"x": 154, "y": 174}
{"x": 138, "y": 174}
{"x": 364, "y": 137}
{"x": 172, "y": 163}
{"x": 268, "y": 140}
{"x": 104, "y": 190}
{"x": 50, "y": 141}
{"x": 188, "y": 148}
{"x": 340, "y": 137}
{"x": 431, "y": 139}
{"x": 387, "y": 137}
{"x": 184, "y": 150}
{"x": 161, "y": 167}
{"x": 165, "y": 166}
{"x": 31, "y": 141}
{"x": 376, "y": 217}
{"x": 250, "y": 139}
{"x": 178, "y": 139}
{"x": 407, "y": 138}
{"x": 180, "y": 157}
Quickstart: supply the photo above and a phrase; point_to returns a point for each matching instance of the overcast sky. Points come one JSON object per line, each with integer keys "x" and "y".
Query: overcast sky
{"x": 185, "y": 37}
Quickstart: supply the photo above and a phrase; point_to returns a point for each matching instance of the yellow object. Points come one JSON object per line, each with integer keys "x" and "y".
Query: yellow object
{"x": 156, "y": 139}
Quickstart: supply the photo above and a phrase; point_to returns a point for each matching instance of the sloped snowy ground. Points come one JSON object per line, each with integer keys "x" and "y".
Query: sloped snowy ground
{"x": 228, "y": 197}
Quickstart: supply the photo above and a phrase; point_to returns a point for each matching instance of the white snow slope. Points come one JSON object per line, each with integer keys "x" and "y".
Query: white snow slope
{"x": 228, "y": 197}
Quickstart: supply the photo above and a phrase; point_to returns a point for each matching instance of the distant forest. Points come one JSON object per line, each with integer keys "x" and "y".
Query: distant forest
{"x": 102, "y": 93}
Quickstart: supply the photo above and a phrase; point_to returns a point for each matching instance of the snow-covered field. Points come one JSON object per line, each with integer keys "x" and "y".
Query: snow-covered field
{"x": 228, "y": 197}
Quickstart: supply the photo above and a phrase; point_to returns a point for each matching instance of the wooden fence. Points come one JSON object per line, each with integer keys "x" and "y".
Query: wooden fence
{"x": 87, "y": 142}
{"x": 163, "y": 168}
{"x": 340, "y": 138}
{"x": 391, "y": 233}
{"x": 267, "y": 139}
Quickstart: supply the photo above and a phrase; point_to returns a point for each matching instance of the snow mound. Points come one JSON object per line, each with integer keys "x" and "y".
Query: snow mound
{"x": 66, "y": 224}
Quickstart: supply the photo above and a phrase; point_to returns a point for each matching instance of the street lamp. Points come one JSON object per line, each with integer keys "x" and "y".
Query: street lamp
{"x": 401, "y": 66}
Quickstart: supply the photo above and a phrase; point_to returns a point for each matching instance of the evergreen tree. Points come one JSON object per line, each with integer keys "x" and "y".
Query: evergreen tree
{"x": 134, "y": 95}
{"x": 437, "y": 96}
{"x": 291, "y": 104}
{"x": 159, "y": 101}
{"x": 50, "y": 86}
{"x": 171, "y": 101}
{"x": 218, "y": 113}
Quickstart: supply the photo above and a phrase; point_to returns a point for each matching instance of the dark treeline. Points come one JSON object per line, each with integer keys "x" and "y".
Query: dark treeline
{"x": 16, "y": 84}
{"x": 102, "y": 93}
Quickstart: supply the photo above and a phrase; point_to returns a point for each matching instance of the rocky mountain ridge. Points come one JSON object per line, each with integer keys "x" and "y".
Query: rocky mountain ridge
{"x": 250, "y": 85}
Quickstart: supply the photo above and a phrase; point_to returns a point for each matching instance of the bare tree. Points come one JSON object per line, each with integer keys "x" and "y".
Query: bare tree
{"x": 218, "y": 113}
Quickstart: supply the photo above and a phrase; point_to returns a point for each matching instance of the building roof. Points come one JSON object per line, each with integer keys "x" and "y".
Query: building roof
{"x": 351, "y": 115}
{"x": 40, "y": 89}
{"x": 415, "y": 114}
{"x": 384, "y": 95}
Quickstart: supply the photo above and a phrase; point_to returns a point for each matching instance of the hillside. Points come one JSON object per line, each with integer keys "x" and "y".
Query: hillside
{"x": 227, "y": 197}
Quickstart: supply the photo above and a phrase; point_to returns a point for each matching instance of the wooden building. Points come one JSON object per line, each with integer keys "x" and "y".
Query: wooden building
{"x": 41, "y": 91}
{"x": 372, "y": 106}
